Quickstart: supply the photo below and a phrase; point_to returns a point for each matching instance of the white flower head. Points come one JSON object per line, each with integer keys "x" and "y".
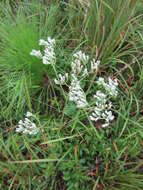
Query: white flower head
{"x": 49, "y": 57}
{"x": 105, "y": 125}
{"x": 36, "y": 53}
{"x": 76, "y": 93}
{"x": 101, "y": 81}
{"x": 43, "y": 43}
{"x": 51, "y": 41}
{"x": 78, "y": 64}
{"x": 19, "y": 129}
{"x": 102, "y": 109}
{"x": 110, "y": 87}
{"x": 29, "y": 114}
{"x": 49, "y": 53}
{"x": 27, "y": 126}
{"x": 62, "y": 79}
{"x": 81, "y": 56}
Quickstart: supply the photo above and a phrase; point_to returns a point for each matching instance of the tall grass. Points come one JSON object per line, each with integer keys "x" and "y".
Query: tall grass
{"x": 18, "y": 38}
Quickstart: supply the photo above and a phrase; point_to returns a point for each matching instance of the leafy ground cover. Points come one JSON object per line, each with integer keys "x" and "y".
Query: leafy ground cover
{"x": 60, "y": 129}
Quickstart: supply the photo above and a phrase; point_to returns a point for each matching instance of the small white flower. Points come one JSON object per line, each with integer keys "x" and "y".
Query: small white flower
{"x": 56, "y": 81}
{"x": 49, "y": 56}
{"x": 20, "y": 122}
{"x": 51, "y": 41}
{"x": 78, "y": 64}
{"x": 76, "y": 67}
{"x": 81, "y": 56}
{"x": 43, "y": 43}
{"x": 27, "y": 121}
{"x": 110, "y": 87}
{"x": 62, "y": 79}
{"x": 85, "y": 72}
{"x": 19, "y": 129}
{"x": 36, "y": 53}
{"x": 29, "y": 114}
{"x": 27, "y": 127}
{"x": 105, "y": 125}
{"x": 109, "y": 116}
{"x": 100, "y": 81}
{"x": 101, "y": 98}
{"x": 76, "y": 93}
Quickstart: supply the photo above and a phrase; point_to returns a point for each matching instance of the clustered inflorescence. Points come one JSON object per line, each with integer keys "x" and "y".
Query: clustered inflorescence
{"x": 49, "y": 56}
{"x": 79, "y": 62}
{"x": 27, "y": 126}
{"x": 102, "y": 110}
{"x": 62, "y": 79}
{"x": 103, "y": 105}
{"x": 110, "y": 87}
{"x": 79, "y": 70}
{"x": 76, "y": 93}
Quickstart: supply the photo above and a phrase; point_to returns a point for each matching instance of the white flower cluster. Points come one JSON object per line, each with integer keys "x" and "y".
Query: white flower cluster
{"x": 49, "y": 54}
{"x": 76, "y": 93}
{"x": 79, "y": 62}
{"x": 62, "y": 79}
{"x": 27, "y": 126}
{"x": 102, "y": 110}
{"x": 79, "y": 68}
{"x": 36, "y": 53}
{"x": 110, "y": 87}
{"x": 81, "y": 56}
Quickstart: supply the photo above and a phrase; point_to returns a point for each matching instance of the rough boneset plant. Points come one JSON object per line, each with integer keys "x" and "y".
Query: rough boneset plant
{"x": 102, "y": 111}
{"x": 72, "y": 151}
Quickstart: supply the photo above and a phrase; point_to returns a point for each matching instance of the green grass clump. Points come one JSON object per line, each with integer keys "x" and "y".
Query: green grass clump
{"x": 24, "y": 75}
{"x": 70, "y": 151}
